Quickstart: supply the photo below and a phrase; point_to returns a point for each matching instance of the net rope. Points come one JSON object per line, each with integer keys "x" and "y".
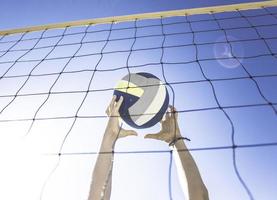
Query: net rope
{"x": 198, "y": 60}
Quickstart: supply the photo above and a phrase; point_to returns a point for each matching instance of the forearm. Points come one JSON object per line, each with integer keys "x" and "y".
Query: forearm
{"x": 101, "y": 183}
{"x": 196, "y": 188}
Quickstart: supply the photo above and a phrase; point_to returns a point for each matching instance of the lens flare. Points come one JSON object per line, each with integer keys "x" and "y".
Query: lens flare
{"x": 228, "y": 52}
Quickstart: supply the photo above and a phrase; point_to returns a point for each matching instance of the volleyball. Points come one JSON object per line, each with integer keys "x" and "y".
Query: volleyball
{"x": 145, "y": 99}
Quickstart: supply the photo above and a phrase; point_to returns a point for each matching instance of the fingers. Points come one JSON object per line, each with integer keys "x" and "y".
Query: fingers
{"x": 170, "y": 113}
{"x": 167, "y": 115}
{"x": 118, "y": 104}
{"x": 173, "y": 111}
{"x": 111, "y": 105}
{"x": 112, "y": 101}
{"x": 114, "y": 106}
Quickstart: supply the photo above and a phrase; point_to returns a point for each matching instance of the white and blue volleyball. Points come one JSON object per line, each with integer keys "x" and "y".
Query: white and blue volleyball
{"x": 145, "y": 100}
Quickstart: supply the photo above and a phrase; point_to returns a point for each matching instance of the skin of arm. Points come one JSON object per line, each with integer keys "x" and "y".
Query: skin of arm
{"x": 100, "y": 188}
{"x": 169, "y": 131}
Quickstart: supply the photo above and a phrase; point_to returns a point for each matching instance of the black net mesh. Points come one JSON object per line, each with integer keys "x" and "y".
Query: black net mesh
{"x": 220, "y": 70}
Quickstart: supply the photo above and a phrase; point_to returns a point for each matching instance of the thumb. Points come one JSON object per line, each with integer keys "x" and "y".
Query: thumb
{"x": 162, "y": 136}
{"x": 153, "y": 136}
{"x": 125, "y": 133}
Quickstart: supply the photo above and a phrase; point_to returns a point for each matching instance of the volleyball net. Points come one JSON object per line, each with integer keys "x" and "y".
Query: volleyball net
{"x": 219, "y": 64}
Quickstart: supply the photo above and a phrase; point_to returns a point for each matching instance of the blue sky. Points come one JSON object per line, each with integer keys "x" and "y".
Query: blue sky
{"x": 16, "y": 14}
{"x": 24, "y": 166}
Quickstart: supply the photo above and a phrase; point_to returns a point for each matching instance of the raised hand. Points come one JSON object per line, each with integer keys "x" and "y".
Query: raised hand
{"x": 169, "y": 127}
{"x": 113, "y": 127}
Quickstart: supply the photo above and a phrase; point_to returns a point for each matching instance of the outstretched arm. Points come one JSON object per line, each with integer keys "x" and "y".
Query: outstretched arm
{"x": 100, "y": 188}
{"x": 170, "y": 132}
